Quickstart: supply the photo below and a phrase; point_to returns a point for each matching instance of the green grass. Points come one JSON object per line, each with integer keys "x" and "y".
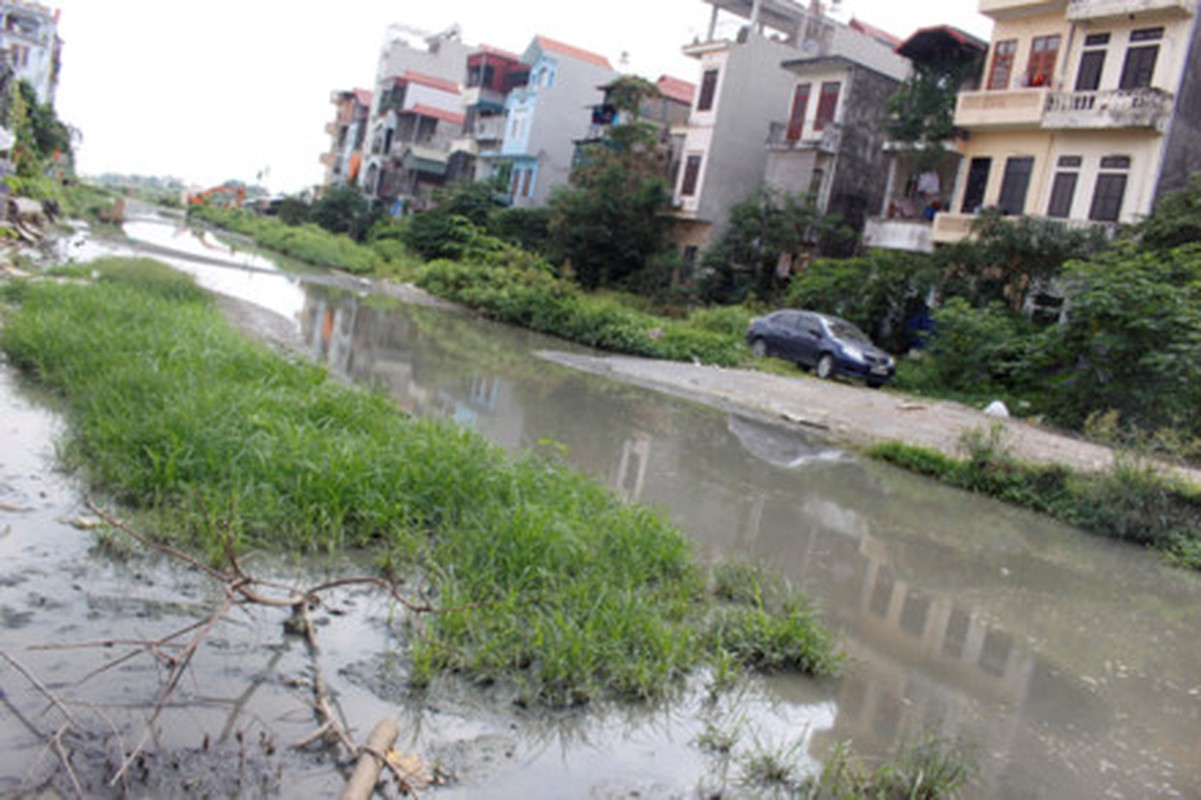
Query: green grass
{"x": 550, "y": 583}
{"x": 1132, "y": 501}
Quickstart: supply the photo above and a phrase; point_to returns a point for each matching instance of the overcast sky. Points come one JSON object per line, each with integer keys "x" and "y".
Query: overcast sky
{"x": 231, "y": 88}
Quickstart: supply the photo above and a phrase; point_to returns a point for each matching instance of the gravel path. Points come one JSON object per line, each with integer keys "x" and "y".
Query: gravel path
{"x": 847, "y": 413}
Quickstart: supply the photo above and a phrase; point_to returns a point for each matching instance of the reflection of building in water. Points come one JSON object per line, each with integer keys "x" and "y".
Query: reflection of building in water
{"x": 631, "y": 471}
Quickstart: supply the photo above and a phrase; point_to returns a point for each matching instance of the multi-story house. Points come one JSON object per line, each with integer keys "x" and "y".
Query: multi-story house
{"x": 745, "y": 87}
{"x": 29, "y": 37}
{"x": 417, "y": 118}
{"x": 416, "y": 114}
{"x": 1088, "y": 110}
{"x": 491, "y": 75}
{"x": 347, "y": 133}
{"x": 544, "y": 118}
{"x": 667, "y": 109}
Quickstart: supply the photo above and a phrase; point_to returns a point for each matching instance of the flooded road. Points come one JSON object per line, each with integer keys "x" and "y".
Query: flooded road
{"x": 1069, "y": 663}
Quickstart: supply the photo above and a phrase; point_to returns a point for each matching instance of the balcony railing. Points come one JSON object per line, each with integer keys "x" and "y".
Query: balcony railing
{"x": 1119, "y": 108}
{"x": 1001, "y": 9}
{"x": 1110, "y": 9}
{"x": 828, "y": 139}
{"x": 1014, "y": 108}
{"x": 489, "y": 129}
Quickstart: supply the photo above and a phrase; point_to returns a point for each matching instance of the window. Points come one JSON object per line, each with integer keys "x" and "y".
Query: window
{"x": 1015, "y": 184}
{"x": 1062, "y": 191}
{"x": 977, "y": 182}
{"x": 827, "y": 105}
{"x": 1041, "y": 66}
{"x": 708, "y": 90}
{"x": 692, "y": 174}
{"x": 525, "y": 182}
{"x": 1110, "y": 190}
{"x": 1139, "y": 67}
{"x": 1002, "y": 64}
{"x": 1088, "y": 78}
{"x": 800, "y": 104}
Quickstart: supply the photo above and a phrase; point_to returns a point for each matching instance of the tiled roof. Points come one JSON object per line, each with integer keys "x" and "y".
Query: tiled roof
{"x": 438, "y": 113}
{"x": 676, "y": 89}
{"x": 362, "y": 97}
{"x": 574, "y": 52}
{"x": 429, "y": 80}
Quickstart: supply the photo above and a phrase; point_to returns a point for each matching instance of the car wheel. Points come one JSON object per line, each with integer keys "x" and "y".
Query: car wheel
{"x": 825, "y": 366}
{"x": 758, "y": 348}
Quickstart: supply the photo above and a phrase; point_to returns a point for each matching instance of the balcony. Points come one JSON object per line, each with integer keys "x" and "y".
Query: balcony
{"x": 1108, "y": 110}
{"x": 489, "y": 129}
{"x": 1080, "y": 10}
{"x": 911, "y": 235}
{"x": 1014, "y": 108}
{"x": 950, "y": 228}
{"x": 1006, "y": 9}
{"x": 826, "y": 140}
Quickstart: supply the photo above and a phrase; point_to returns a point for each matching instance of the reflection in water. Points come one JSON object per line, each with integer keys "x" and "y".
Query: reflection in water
{"x": 1067, "y": 659}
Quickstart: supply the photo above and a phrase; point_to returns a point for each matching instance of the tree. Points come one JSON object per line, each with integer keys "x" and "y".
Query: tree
{"x": 609, "y": 223}
{"x": 765, "y": 228}
{"x": 1176, "y": 219}
{"x": 922, "y": 110}
{"x": 343, "y": 210}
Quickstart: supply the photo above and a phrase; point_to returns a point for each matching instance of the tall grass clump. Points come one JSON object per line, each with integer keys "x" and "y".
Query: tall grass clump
{"x": 1134, "y": 500}
{"x": 546, "y": 581}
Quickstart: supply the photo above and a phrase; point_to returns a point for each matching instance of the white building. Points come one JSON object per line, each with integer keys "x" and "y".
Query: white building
{"x": 29, "y": 38}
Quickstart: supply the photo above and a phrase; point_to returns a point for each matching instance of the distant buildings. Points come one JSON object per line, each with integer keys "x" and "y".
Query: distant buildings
{"x": 348, "y": 134}
{"x": 30, "y": 43}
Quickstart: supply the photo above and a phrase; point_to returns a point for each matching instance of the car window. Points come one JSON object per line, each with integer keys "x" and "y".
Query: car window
{"x": 846, "y": 331}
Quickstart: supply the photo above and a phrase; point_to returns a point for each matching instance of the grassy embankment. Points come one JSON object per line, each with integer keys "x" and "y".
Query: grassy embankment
{"x": 558, "y": 588}
{"x": 1131, "y": 502}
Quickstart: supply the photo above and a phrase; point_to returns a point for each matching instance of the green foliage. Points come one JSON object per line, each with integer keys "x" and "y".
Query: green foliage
{"x": 610, "y": 222}
{"x": 881, "y": 293}
{"x": 293, "y": 211}
{"x": 1133, "y": 500}
{"x": 922, "y": 111}
{"x": 761, "y": 229}
{"x": 1009, "y": 256}
{"x": 1132, "y": 340}
{"x": 343, "y": 210}
{"x": 544, "y": 579}
{"x": 1176, "y": 220}
{"x": 975, "y": 348}
{"x": 306, "y": 242}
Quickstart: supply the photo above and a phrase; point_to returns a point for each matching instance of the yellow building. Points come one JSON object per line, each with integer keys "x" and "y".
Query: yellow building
{"x": 1087, "y": 111}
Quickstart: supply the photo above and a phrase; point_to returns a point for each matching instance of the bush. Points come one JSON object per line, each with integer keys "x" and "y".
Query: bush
{"x": 883, "y": 293}
{"x": 977, "y": 348}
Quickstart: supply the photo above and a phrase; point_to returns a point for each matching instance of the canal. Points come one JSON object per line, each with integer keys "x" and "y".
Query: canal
{"x": 1068, "y": 664}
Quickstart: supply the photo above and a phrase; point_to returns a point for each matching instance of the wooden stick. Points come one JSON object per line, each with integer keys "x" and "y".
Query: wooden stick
{"x": 362, "y": 783}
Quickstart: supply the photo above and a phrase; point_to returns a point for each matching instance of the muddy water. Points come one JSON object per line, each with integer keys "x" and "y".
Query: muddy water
{"x": 1070, "y": 664}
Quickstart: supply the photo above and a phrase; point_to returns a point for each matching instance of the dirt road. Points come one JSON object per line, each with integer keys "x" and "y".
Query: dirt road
{"x": 847, "y": 413}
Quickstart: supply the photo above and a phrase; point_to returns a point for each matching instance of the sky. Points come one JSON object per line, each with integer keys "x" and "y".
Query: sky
{"x": 240, "y": 89}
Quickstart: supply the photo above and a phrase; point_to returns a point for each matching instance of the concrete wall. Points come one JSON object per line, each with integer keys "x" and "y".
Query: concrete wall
{"x": 563, "y": 114}
{"x": 1182, "y": 151}
{"x": 749, "y": 97}
{"x": 860, "y": 171}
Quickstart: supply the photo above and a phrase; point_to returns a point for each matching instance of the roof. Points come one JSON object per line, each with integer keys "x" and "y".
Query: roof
{"x": 554, "y": 46}
{"x": 496, "y": 51}
{"x": 429, "y": 80}
{"x": 438, "y": 113}
{"x": 362, "y": 97}
{"x": 676, "y": 89}
{"x": 879, "y": 34}
{"x": 942, "y": 42}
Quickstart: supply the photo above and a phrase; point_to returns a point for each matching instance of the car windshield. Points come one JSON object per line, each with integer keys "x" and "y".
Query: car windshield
{"x": 844, "y": 330}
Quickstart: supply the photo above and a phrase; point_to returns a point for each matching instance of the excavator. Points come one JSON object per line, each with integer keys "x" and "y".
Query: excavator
{"x": 224, "y": 195}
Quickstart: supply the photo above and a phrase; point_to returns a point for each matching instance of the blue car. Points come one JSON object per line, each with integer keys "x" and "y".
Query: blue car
{"x": 829, "y": 345}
